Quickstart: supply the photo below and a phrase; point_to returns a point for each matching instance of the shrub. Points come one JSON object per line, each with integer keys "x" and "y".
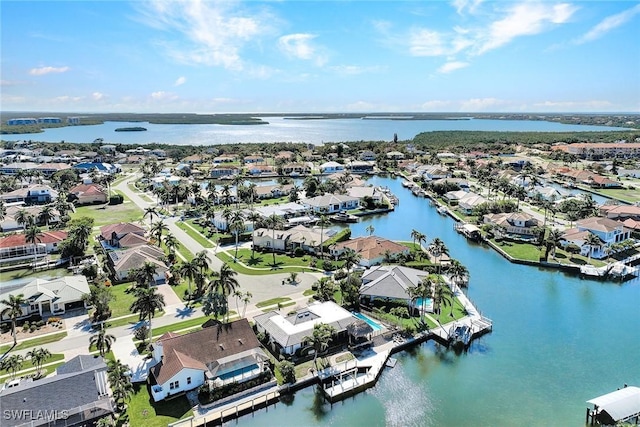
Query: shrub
{"x": 53, "y": 320}
{"x": 25, "y": 327}
{"x": 141, "y": 332}
{"x": 328, "y": 265}
{"x": 572, "y": 248}
{"x": 340, "y": 274}
{"x": 298, "y": 252}
{"x": 33, "y": 328}
{"x": 116, "y": 199}
{"x": 287, "y": 370}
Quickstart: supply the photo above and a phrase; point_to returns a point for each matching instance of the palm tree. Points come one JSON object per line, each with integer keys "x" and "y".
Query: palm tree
{"x": 236, "y": 226}
{"x": 24, "y": 218}
{"x": 189, "y": 270}
{"x": 420, "y": 291}
{"x": 414, "y": 235}
{"x": 33, "y": 236}
{"x": 350, "y": 258}
{"x": 14, "y": 306}
{"x": 442, "y": 294}
{"x": 275, "y": 223}
{"x": 46, "y": 214}
{"x": 323, "y": 221}
{"x": 320, "y": 338}
{"x": 324, "y": 289}
{"x": 150, "y": 211}
{"x": 12, "y": 364}
{"x": 226, "y": 282}
{"x": 592, "y": 241}
{"x": 171, "y": 242}
{"x": 38, "y": 356}
{"x": 553, "y": 239}
{"x": 102, "y": 341}
{"x": 458, "y": 273}
{"x": 370, "y": 229}
{"x": 157, "y": 229}
{"x": 237, "y": 181}
{"x": 3, "y": 210}
{"x": 120, "y": 382}
{"x": 254, "y": 217}
{"x": 438, "y": 249}
{"x": 144, "y": 276}
{"x": 147, "y": 301}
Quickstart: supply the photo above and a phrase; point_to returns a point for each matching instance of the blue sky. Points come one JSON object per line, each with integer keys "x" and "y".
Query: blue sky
{"x": 326, "y": 56}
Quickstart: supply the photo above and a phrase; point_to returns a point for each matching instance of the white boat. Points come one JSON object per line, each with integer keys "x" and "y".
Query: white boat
{"x": 460, "y": 336}
{"x": 442, "y": 210}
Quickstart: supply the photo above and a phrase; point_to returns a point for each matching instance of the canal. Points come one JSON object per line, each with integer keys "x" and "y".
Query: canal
{"x": 557, "y": 341}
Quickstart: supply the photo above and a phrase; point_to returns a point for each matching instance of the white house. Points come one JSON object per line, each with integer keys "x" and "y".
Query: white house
{"x": 392, "y": 282}
{"x": 308, "y": 239}
{"x": 122, "y": 262}
{"x": 287, "y": 334}
{"x": 49, "y": 297}
{"x": 608, "y": 230}
{"x": 221, "y": 354}
{"x": 332, "y": 203}
{"x": 331, "y": 167}
{"x": 15, "y": 247}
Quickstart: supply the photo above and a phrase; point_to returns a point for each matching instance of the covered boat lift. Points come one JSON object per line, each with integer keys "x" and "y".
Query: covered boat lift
{"x": 622, "y": 405}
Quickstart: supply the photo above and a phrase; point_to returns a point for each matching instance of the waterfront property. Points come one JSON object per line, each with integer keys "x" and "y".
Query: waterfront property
{"x": 618, "y": 407}
{"x": 49, "y": 297}
{"x": 373, "y": 250}
{"x": 391, "y": 282}
{"x": 305, "y": 238}
{"x": 287, "y": 335}
{"x": 218, "y": 353}
{"x": 608, "y": 231}
{"x": 15, "y": 247}
{"x": 122, "y": 235}
{"x": 332, "y": 203}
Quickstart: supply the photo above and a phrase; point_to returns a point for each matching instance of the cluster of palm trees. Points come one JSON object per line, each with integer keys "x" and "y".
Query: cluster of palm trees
{"x": 435, "y": 288}
{"x": 14, "y": 310}
{"x": 38, "y": 356}
{"x": 119, "y": 376}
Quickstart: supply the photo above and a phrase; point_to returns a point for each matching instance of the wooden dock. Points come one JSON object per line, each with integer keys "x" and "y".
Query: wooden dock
{"x": 357, "y": 376}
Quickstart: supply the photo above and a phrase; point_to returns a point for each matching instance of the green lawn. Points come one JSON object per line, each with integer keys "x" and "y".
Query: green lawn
{"x": 46, "y": 370}
{"x": 195, "y": 322}
{"x": 195, "y": 235}
{"x": 28, "y": 273}
{"x": 34, "y": 342}
{"x": 272, "y": 301}
{"x": 523, "y": 251}
{"x": 142, "y": 411}
{"x": 263, "y": 263}
{"x": 112, "y": 214}
{"x": 123, "y": 300}
{"x": 626, "y": 194}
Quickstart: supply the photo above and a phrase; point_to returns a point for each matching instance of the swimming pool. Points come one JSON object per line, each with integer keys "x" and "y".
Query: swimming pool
{"x": 375, "y": 325}
{"x": 427, "y": 304}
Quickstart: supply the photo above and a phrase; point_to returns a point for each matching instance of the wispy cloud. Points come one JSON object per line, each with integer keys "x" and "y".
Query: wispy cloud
{"x": 452, "y": 66}
{"x": 41, "y": 71}
{"x": 609, "y": 23}
{"x": 524, "y": 19}
{"x": 209, "y": 33}
{"x": 302, "y": 46}
{"x": 352, "y": 70}
{"x": 180, "y": 81}
{"x": 163, "y": 96}
{"x": 462, "y": 6}
{"x": 97, "y": 96}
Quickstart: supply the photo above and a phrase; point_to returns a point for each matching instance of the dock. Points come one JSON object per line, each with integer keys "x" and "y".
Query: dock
{"x": 615, "y": 408}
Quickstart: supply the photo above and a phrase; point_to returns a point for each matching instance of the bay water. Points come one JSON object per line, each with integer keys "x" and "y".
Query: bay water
{"x": 557, "y": 341}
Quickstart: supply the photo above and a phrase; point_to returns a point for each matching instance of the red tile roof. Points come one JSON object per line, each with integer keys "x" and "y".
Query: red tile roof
{"x": 46, "y": 237}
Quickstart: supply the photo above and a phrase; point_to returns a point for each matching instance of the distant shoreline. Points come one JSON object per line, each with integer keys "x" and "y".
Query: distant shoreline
{"x": 131, "y": 129}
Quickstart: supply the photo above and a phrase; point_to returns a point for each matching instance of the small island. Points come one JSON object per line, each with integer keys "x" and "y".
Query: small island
{"x": 131, "y": 129}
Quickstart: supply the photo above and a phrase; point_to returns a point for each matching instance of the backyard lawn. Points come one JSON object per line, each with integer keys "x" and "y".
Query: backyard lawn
{"x": 111, "y": 214}
{"x": 142, "y": 411}
{"x": 262, "y": 263}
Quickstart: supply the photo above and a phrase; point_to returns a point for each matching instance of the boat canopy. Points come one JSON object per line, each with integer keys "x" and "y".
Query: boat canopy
{"x": 620, "y": 405}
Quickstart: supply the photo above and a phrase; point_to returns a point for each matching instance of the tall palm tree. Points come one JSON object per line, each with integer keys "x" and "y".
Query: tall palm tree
{"x": 438, "y": 249}
{"x": 592, "y": 241}
{"x": 171, "y": 242}
{"x": 119, "y": 378}
{"x": 14, "y": 306}
{"x": 414, "y": 235}
{"x": 147, "y": 301}
{"x": 157, "y": 230}
{"x": 323, "y": 221}
{"x": 275, "y": 223}
{"x": 226, "y": 281}
{"x": 144, "y": 275}
{"x": 46, "y": 214}
{"x": 420, "y": 291}
{"x": 458, "y": 273}
{"x": 236, "y": 226}
{"x": 3, "y": 210}
{"x": 237, "y": 182}
{"x": 442, "y": 294}
{"x": 553, "y": 240}
{"x": 23, "y": 218}
{"x": 350, "y": 258}
{"x": 150, "y": 212}
{"x": 254, "y": 217}
{"x": 320, "y": 338}
{"x": 33, "y": 236}
{"x": 38, "y": 356}
{"x": 189, "y": 270}
{"x": 102, "y": 341}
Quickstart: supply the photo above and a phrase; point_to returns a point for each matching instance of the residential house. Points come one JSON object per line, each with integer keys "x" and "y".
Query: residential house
{"x": 288, "y": 335}
{"x": 31, "y": 194}
{"x": 103, "y": 168}
{"x": 49, "y": 297}
{"x": 367, "y": 156}
{"x": 77, "y": 395}
{"x": 517, "y": 223}
{"x": 620, "y": 212}
{"x": 117, "y": 235}
{"x": 9, "y": 222}
{"x": 357, "y": 166}
{"x": 87, "y": 194}
{"x": 15, "y": 247}
{"x": 194, "y": 159}
{"x": 220, "y": 354}
{"x": 272, "y": 191}
{"x": 395, "y": 155}
{"x": 122, "y": 262}
{"x": 224, "y": 159}
{"x": 361, "y": 192}
{"x": 373, "y": 250}
{"x": 308, "y": 239}
{"x": 295, "y": 169}
{"x": 292, "y": 212}
{"x": 285, "y": 155}
{"x": 331, "y": 167}
{"x": 253, "y": 159}
{"x": 432, "y": 172}
{"x": 391, "y": 282}
{"x": 470, "y": 202}
{"x": 46, "y": 169}
{"x": 332, "y": 203}
{"x": 598, "y": 181}
{"x": 608, "y": 230}
{"x": 218, "y": 171}
{"x": 255, "y": 169}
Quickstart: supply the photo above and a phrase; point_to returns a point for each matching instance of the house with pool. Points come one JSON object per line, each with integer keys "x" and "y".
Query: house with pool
{"x": 392, "y": 282}
{"x": 218, "y": 353}
{"x": 287, "y": 334}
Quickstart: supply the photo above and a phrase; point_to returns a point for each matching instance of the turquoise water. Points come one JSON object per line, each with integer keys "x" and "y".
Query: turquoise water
{"x": 282, "y": 130}
{"x": 427, "y": 302}
{"x": 557, "y": 341}
{"x": 375, "y": 325}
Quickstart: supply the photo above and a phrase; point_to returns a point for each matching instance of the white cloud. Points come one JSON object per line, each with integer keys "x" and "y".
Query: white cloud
{"x": 609, "y": 23}
{"x": 301, "y": 46}
{"x": 41, "y": 71}
{"x": 163, "y": 96}
{"x": 352, "y": 70}
{"x": 209, "y": 33}
{"x": 424, "y": 42}
{"x": 522, "y": 20}
{"x": 452, "y": 66}
{"x": 469, "y": 5}
{"x": 97, "y": 96}
{"x": 180, "y": 81}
